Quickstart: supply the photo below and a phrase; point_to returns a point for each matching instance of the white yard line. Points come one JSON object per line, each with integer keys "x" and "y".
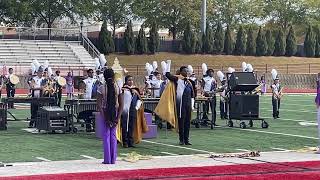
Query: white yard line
{"x": 245, "y": 150}
{"x": 283, "y": 134}
{"x": 280, "y": 149}
{"x": 88, "y": 157}
{"x": 171, "y": 154}
{"x": 290, "y": 110}
{"x": 43, "y": 159}
{"x": 181, "y": 147}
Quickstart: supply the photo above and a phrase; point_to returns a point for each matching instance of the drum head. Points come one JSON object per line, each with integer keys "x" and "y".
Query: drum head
{"x": 62, "y": 81}
{"x": 14, "y": 79}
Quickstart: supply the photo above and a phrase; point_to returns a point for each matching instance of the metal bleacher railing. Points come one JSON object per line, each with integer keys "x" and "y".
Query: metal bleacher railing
{"x": 48, "y": 34}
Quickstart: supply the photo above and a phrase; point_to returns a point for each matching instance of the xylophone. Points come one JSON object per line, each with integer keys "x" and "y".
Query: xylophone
{"x": 76, "y": 107}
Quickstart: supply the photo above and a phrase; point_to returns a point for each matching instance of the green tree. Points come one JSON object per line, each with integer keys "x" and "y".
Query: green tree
{"x": 141, "y": 42}
{"x": 251, "y": 43}
{"x": 47, "y": 12}
{"x": 270, "y": 43}
{"x": 261, "y": 43}
{"x": 228, "y": 43}
{"x": 317, "y": 48}
{"x": 234, "y": 12}
{"x": 310, "y": 43}
{"x": 203, "y": 41}
{"x": 113, "y": 11}
{"x": 240, "y": 43}
{"x": 291, "y": 43}
{"x": 106, "y": 44}
{"x": 188, "y": 40}
{"x": 286, "y": 12}
{"x": 218, "y": 40}
{"x": 171, "y": 14}
{"x": 153, "y": 44}
{"x": 279, "y": 45}
{"x": 208, "y": 41}
{"x": 129, "y": 39}
{"x": 199, "y": 44}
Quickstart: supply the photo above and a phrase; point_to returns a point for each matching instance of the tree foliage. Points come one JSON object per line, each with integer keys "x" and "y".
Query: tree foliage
{"x": 240, "y": 47}
{"x": 261, "y": 43}
{"x": 279, "y": 45}
{"x": 141, "y": 43}
{"x": 106, "y": 44}
{"x": 218, "y": 40}
{"x": 153, "y": 44}
{"x": 114, "y": 12}
{"x": 270, "y": 43}
{"x": 291, "y": 43}
{"x": 310, "y": 43}
{"x": 208, "y": 40}
{"x": 129, "y": 42}
{"x": 228, "y": 42}
{"x": 171, "y": 14}
{"x": 251, "y": 43}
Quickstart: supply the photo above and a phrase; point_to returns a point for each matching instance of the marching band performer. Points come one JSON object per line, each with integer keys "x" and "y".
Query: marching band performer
{"x": 58, "y": 88}
{"x": 1, "y": 84}
{"x": 209, "y": 85}
{"x": 317, "y": 101}
{"x": 175, "y": 103}
{"x": 36, "y": 88}
{"x": 131, "y": 98}
{"x": 10, "y": 88}
{"x": 223, "y": 96}
{"x": 263, "y": 85}
{"x": 110, "y": 105}
{"x": 276, "y": 94}
{"x": 148, "y": 78}
{"x": 90, "y": 88}
{"x": 156, "y": 84}
{"x": 69, "y": 85}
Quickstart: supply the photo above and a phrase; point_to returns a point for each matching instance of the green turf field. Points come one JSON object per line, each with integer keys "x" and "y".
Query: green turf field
{"x": 295, "y": 129}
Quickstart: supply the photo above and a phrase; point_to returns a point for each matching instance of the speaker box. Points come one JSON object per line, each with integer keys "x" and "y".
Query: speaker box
{"x": 244, "y": 106}
{"x": 242, "y": 81}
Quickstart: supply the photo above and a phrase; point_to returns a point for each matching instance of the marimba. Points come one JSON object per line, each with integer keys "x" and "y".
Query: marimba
{"x": 76, "y": 106}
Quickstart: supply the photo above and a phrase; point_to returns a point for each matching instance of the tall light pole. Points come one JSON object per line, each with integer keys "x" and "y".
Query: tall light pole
{"x": 203, "y": 16}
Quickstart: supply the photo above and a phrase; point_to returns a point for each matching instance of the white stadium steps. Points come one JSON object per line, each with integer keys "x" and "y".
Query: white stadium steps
{"x": 59, "y": 53}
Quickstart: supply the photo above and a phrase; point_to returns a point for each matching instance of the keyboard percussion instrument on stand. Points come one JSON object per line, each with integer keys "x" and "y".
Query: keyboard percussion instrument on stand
{"x": 42, "y": 101}
{"x": 76, "y": 108}
{"x": 53, "y": 118}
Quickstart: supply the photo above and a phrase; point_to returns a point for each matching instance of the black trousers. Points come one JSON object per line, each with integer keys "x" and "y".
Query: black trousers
{"x": 275, "y": 107}
{"x": 223, "y": 110}
{"x": 58, "y": 96}
{"x": 127, "y": 128}
{"x": 212, "y": 103}
{"x": 10, "y": 93}
{"x": 184, "y": 123}
{"x": 34, "y": 114}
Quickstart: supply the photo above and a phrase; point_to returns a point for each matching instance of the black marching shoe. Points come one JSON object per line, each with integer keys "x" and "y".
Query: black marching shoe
{"x": 181, "y": 143}
{"x": 188, "y": 143}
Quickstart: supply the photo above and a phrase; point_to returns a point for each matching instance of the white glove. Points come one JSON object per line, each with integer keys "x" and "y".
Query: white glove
{"x": 192, "y": 103}
{"x": 138, "y": 105}
{"x": 168, "y": 65}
